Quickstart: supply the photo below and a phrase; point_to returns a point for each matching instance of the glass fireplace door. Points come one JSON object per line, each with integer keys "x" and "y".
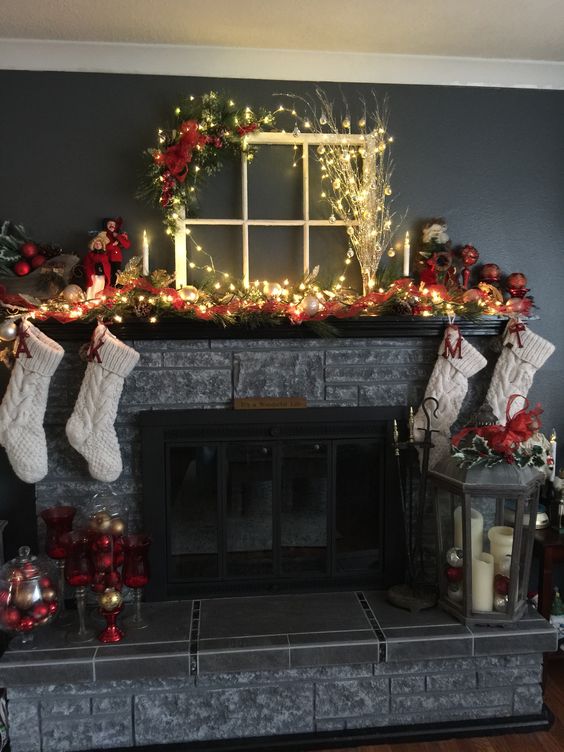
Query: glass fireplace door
{"x": 303, "y": 509}
{"x": 249, "y": 511}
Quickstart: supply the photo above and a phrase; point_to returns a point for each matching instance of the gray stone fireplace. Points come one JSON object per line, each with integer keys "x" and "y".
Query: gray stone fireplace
{"x": 316, "y": 666}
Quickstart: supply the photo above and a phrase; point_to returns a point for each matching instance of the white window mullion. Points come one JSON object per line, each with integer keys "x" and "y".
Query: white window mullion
{"x": 305, "y": 203}
{"x": 180, "y": 250}
{"x": 245, "y": 216}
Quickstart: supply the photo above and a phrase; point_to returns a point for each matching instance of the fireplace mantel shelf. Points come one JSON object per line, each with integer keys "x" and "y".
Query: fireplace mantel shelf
{"x": 367, "y": 327}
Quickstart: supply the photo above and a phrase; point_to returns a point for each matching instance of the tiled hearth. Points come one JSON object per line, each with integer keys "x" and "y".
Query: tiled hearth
{"x": 269, "y": 666}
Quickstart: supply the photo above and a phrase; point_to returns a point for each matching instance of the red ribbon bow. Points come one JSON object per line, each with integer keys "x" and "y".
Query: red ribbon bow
{"x": 506, "y": 439}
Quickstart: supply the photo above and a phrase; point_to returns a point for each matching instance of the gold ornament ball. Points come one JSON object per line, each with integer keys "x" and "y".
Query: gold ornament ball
{"x": 100, "y": 521}
{"x": 117, "y": 526}
{"x": 49, "y": 594}
{"x": 24, "y": 596}
{"x": 189, "y": 293}
{"x": 8, "y": 330}
{"x": 72, "y": 294}
{"x": 391, "y": 253}
{"x": 110, "y": 600}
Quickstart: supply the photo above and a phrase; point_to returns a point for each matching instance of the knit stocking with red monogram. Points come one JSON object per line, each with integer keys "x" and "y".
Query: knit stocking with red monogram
{"x": 90, "y": 429}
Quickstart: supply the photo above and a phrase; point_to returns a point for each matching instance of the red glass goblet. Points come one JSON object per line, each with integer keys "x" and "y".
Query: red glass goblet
{"x": 79, "y": 571}
{"x": 58, "y": 521}
{"x": 136, "y": 573}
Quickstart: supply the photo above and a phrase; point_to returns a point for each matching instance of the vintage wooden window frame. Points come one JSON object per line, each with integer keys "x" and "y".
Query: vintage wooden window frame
{"x": 305, "y": 140}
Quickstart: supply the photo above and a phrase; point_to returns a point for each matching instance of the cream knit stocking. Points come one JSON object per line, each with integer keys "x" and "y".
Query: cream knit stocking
{"x": 448, "y": 383}
{"x": 90, "y": 429}
{"x": 523, "y": 354}
{"x": 24, "y": 403}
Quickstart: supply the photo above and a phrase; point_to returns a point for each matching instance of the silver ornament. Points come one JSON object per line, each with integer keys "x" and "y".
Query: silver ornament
{"x": 272, "y": 289}
{"x": 350, "y": 231}
{"x": 455, "y": 557}
{"x": 72, "y": 294}
{"x": 296, "y": 131}
{"x": 189, "y": 293}
{"x": 332, "y": 219}
{"x": 8, "y": 330}
{"x": 350, "y": 253}
{"x": 323, "y": 120}
{"x": 455, "y": 593}
{"x": 391, "y": 253}
{"x": 310, "y": 305}
{"x": 500, "y": 602}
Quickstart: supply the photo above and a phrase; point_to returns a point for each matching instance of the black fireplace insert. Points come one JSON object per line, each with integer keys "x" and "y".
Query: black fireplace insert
{"x": 255, "y": 501}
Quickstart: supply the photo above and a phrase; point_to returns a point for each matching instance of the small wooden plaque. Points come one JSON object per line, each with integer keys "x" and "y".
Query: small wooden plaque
{"x": 268, "y": 403}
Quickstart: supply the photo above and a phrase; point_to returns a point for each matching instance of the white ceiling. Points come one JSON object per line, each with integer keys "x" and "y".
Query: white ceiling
{"x": 502, "y": 29}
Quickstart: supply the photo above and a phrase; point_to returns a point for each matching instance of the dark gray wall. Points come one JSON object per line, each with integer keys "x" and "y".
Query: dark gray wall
{"x": 490, "y": 161}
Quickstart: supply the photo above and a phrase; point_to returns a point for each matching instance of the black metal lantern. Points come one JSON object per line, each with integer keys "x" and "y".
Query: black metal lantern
{"x": 486, "y": 518}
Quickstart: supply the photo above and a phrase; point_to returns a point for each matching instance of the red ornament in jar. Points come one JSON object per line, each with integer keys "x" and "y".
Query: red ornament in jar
{"x": 490, "y": 273}
{"x": 516, "y": 284}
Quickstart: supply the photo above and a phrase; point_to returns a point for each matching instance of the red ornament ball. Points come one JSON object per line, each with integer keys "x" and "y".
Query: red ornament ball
{"x": 113, "y": 580}
{"x": 45, "y": 582}
{"x": 29, "y": 250}
{"x": 22, "y": 268}
{"x": 104, "y": 542}
{"x": 38, "y": 261}
{"x": 490, "y": 273}
{"x": 11, "y": 618}
{"x": 517, "y": 305}
{"x": 29, "y": 570}
{"x": 454, "y": 574}
{"x": 516, "y": 281}
{"x": 26, "y": 624}
{"x": 501, "y": 584}
{"x": 40, "y": 611}
{"x": 53, "y": 606}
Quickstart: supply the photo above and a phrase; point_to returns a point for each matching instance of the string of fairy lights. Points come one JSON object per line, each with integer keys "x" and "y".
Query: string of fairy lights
{"x": 355, "y": 176}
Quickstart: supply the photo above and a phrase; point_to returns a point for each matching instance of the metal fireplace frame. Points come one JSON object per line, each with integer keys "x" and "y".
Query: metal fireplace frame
{"x": 162, "y": 429}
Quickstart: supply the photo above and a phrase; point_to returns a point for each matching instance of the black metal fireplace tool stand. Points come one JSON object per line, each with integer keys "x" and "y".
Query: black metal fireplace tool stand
{"x": 412, "y": 465}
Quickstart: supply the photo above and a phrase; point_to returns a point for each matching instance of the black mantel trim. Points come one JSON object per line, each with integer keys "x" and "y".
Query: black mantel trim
{"x": 382, "y": 326}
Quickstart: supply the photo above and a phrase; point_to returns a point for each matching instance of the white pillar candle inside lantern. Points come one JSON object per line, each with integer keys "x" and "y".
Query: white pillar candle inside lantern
{"x": 476, "y": 531}
{"x": 483, "y": 582}
{"x": 501, "y": 544}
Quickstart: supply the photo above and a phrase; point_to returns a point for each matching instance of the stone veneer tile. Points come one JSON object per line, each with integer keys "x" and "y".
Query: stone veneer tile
{"x": 279, "y": 374}
{"x": 177, "y": 387}
{"x": 444, "y": 682}
{"x": 342, "y": 394}
{"x": 224, "y": 714}
{"x": 379, "y": 356}
{"x": 196, "y": 359}
{"x": 510, "y": 676}
{"x": 387, "y": 395}
{"x": 24, "y": 726}
{"x": 66, "y": 706}
{"x": 373, "y": 375}
{"x": 317, "y": 674}
{"x": 452, "y": 714}
{"x": 352, "y": 698}
{"x": 435, "y": 701}
{"x": 86, "y": 734}
{"x": 527, "y": 700}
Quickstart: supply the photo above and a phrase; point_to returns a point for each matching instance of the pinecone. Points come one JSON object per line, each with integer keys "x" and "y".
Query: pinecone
{"x": 398, "y": 308}
{"x": 143, "y": 310}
